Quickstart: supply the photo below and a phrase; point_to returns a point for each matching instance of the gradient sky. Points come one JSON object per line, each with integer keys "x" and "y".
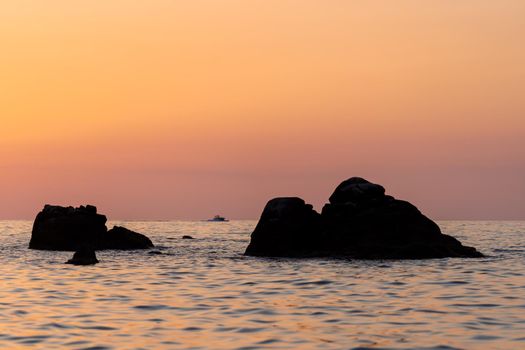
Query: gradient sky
{"x": 183, "y": 109}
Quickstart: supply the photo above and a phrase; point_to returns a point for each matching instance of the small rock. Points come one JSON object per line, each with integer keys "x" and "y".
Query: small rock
{"x": 187, "y": 237}
{"x": 84, "y": 256}
{"x": 122, "y": 238}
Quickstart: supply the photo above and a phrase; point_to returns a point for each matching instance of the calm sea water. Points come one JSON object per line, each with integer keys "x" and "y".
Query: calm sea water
{"x": 203, "y": 293}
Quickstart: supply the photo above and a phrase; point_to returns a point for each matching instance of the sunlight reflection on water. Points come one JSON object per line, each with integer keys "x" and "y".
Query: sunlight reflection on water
{"x": 203, "y": 293}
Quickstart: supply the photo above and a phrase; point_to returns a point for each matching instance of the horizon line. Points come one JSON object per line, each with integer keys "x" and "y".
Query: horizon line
{"x": 256, "y": 219}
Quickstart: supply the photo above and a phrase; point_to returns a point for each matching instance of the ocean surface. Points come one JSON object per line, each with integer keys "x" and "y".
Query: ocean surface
{"x": 204, "y": 294}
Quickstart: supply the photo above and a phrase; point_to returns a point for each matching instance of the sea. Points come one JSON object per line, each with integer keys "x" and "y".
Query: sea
{"x": 202, "y": 293}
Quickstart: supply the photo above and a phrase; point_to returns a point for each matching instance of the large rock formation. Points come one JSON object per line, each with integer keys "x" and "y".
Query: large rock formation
{"x": 359, "y": 222}
{"x": 68, "y": 228}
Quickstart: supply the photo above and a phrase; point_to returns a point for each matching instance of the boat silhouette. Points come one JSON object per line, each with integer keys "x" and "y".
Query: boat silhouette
{"x": 218, "y": 218}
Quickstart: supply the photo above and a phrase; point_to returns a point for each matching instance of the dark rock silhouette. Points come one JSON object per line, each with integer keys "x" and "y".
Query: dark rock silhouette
{"x": 288, "y": 227}
{"x": 187, "y": 237}
{"x": 356, "y": 189}
{"x": 359, "y": 222}
{"x": 83, "y": 256}
{"x": 68, "y": 228}
{"x": 122, "y": 238}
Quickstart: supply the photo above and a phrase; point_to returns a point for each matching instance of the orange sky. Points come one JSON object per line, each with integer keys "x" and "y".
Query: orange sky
{"x": 184, "y": 109}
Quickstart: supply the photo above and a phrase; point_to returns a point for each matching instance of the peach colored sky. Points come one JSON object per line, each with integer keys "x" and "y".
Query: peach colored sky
{"x": 183, "y": 109}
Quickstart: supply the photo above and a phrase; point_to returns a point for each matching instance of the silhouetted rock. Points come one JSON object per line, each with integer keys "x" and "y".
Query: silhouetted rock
{"x": 122, "y": 238}
{"x": 68, "y": 228}
{"x": 359, "y": 222}
{"x": 288, "y": 227}
{"x": 362, "y": 222}
{"x": 83, "y": 256}
{"x": 187, "y": 237}
{"x": 356, "y": 189}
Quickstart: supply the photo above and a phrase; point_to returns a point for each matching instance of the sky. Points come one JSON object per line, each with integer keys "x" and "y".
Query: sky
{"x": 185, "y": 109}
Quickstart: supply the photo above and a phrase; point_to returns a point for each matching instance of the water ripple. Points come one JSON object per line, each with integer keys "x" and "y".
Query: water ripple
{"x": 202, "y": 293}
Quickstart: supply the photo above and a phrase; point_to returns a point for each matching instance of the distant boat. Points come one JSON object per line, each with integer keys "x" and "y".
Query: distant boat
{"x": 218, "y": 218}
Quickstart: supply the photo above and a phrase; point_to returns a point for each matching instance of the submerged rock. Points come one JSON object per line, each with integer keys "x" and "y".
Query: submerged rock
{"x": 68, "y": 228}
{"x": 359, "y": 221}
{"x": 84, "y": 256}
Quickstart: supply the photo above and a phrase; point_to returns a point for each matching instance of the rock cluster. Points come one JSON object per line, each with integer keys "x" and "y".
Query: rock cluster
{"x": 68, "y": 228}
{"x": 359, "y": 221}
